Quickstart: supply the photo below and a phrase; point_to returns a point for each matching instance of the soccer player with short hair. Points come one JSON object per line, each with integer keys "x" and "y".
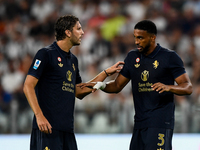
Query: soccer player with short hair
{"x": 152, "y": 70}
{"x": 51, "y": 88}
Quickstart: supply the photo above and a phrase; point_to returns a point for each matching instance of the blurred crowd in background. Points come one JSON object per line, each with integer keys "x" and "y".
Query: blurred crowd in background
{"x": 28, "y": 25}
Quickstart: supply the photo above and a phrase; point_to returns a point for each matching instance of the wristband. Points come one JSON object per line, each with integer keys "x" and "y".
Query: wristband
{"x": 100, "y": 85}
{"x": 106, "y": 72}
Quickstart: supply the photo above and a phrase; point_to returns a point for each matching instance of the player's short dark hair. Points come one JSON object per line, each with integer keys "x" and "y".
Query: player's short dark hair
{"x": 64, "y": 23}
{"x": 146, "y": 25}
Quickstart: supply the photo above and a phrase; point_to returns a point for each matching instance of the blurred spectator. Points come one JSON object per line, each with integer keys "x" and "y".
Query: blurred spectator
{"x": 12, "y": 9}
{"x": 196, "y": 38}
{"x": 101, "y": 47}
{"x": 188, "y": 21}
{"x": 5, "y": 99}
{"x": 13, "y": 79}
{"x": 195, "y": 111}
{"x": 97, "y": 18}
{"x": 41, "y": 9}
{"x": 137, "y": 9}
{"x": 173, "y": 19}
{"x": 84, "y": 10}
{"x": 157, "y": 17}
{"x": 24, "y": 10}
{"x": 3, "y": 64}
{"x": 182, "y": 114}
{"x": 111, "y": 27}
{"x": 193, "y": 5}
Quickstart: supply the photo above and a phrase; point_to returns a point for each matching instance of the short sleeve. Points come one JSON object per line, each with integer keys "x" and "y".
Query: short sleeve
{"x": 39, "y": 63}
{"x": 125, "y": 70}
{"x": 176, "y": 65}
{"x": 78, "y": 77}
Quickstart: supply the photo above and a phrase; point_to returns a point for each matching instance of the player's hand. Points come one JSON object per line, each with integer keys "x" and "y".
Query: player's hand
{"x": 160, "y": 87}
{"x": 94, "y": 85}
{"x": 89, "y": 85}
{"x": 43, "y": 124}
{"x": 115, "y": 68}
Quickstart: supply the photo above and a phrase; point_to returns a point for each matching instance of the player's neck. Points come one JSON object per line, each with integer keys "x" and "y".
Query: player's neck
{"x": 64, "y": 45}
{"x": 151, "y": 49}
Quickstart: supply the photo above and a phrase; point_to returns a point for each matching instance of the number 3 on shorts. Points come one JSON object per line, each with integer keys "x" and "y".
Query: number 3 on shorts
{"x": 161, "y": 137}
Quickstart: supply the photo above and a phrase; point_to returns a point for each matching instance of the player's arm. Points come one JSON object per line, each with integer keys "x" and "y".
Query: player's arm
{"x": 82, "y": 92}
{"x": 29, "y": 91}
{"x": 183, "y": 87}
{"x": 114, "y": 86}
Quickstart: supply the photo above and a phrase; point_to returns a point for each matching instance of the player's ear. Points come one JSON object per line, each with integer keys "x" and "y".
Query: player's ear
{"x": 153, "y": 37}
{"x": 68, "y": 33}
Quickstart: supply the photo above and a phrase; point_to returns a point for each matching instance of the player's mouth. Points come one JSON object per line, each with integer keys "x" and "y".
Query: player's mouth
{"x": 139, "y": 47}
{"x": 80, "y": 38}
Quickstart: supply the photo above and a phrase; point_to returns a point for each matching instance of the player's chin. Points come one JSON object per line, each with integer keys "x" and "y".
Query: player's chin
{"x": 79, "y": 42}
{"x": 76, "y": 44}
{"x": 140, "y": 50}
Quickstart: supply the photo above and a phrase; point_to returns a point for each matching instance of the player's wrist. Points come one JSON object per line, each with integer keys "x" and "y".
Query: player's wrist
{"x": 100, "y": 85}
{"x": 106, "y": 73}
{"x": 38, "y": 114}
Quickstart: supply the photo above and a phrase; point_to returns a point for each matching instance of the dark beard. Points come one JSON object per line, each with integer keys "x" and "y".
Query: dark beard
{"x": 146, "y": 49}
{"x": 75, "y": 44}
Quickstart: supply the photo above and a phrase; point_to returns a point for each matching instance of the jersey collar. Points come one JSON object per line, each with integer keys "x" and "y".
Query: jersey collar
{"x": 63, "y": 53}
{"x": 156, "y": 50}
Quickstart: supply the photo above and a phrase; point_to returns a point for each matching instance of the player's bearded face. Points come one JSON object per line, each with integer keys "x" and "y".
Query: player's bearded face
{"x": 142, "y": 40}
{"x": 77, "y": 34}
{"x": 75, "y": 40}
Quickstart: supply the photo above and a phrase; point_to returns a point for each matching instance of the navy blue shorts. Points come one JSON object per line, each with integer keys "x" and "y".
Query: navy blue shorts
{"x": 151, "y": 139}
{"x": 57, "y": 140}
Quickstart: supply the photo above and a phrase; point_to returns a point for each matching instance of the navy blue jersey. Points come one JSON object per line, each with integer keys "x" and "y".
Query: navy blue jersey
{"x": 57, "y": 73}
{"x": 151, "y": 108}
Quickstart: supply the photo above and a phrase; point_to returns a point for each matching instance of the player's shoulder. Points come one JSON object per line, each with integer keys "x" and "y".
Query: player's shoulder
{"x": 169, "y": 54}
{"x": 132, "y": 55}
{"x": 167, "y": 51}
{"x": 50, "y": 48}
{"x": 133, "y": 52}
{"x": 47, "y": 49}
